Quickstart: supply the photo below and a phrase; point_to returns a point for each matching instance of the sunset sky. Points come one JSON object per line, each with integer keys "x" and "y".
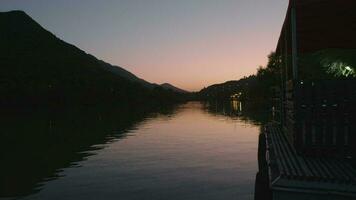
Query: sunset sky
{"x": 189, "y": 43}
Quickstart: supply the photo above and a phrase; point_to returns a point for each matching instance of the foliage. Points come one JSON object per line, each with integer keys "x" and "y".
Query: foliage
{"x": 255, "y": 90}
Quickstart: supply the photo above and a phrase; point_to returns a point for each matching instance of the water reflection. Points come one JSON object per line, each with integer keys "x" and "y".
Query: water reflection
{"x": 236, "y": 106}
{"x": 235, "y": 109}
{"x": 36, "y": 145}
{"x": 194, "y": 151}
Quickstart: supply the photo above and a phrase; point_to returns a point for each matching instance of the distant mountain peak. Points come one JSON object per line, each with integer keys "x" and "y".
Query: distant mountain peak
{"x": 22, "y": 32}
{"x": 172, "y": 87}
{"x": 38, "y": 68}
{"x": 18, "y": 16}
{"x": 14, "y": 11}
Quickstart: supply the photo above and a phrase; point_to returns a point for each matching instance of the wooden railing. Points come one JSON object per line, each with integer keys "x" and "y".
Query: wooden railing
{"x": 320, "y": 116}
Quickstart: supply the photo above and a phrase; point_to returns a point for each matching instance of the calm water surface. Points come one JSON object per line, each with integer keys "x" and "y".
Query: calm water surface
{"x": 191, "y": 153}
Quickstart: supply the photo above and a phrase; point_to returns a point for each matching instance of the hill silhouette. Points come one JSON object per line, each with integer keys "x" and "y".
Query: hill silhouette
{"x": 37, "y": 68}
{"x": 173, "y": 88}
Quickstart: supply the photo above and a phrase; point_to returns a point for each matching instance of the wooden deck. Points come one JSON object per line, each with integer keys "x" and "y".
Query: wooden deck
{"x": 290, "y": 171}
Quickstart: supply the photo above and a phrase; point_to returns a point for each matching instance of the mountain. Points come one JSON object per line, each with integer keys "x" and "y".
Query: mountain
{"x": 125, "y": 74}
{"x": 173, "y": 88}
{"x": 37, "y": 68}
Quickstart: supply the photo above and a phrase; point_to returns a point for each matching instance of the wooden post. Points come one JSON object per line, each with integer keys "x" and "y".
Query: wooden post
{"x": 295, "y": 126}
{"x": 294, "y": 40}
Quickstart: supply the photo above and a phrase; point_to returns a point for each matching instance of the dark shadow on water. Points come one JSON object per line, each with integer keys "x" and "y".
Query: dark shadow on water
{"x": 238, "y": 111}
{"x": 234, "y": 110}
{"x": 36, "y": 145}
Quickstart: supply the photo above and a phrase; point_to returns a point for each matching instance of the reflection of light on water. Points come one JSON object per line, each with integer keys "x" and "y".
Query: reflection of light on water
{"x": 236, "y": 105}
{"x": 191, "y": 142}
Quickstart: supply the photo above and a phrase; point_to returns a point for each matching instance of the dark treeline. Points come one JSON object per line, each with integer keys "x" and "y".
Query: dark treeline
{"x": 255, "y": 90}
{"x": 38, "y": 69}
{"x": 258, "y": 90}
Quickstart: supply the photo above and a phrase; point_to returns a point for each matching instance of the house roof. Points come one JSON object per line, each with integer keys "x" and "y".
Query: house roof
{"x": 320, "y": 24}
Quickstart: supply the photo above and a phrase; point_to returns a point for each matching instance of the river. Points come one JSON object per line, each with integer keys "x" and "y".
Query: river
{"x": 194, "y": 151}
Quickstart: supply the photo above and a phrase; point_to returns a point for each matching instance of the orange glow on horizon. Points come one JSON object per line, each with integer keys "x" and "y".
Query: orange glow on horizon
{"x": 190, "y": 44}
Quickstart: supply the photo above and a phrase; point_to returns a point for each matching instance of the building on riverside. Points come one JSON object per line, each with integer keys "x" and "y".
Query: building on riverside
{"x": 317, "y": 51}
{"x": 311, "y": 153}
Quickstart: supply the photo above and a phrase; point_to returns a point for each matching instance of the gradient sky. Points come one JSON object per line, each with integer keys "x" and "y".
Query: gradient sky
{"x": 189, "y": 43}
